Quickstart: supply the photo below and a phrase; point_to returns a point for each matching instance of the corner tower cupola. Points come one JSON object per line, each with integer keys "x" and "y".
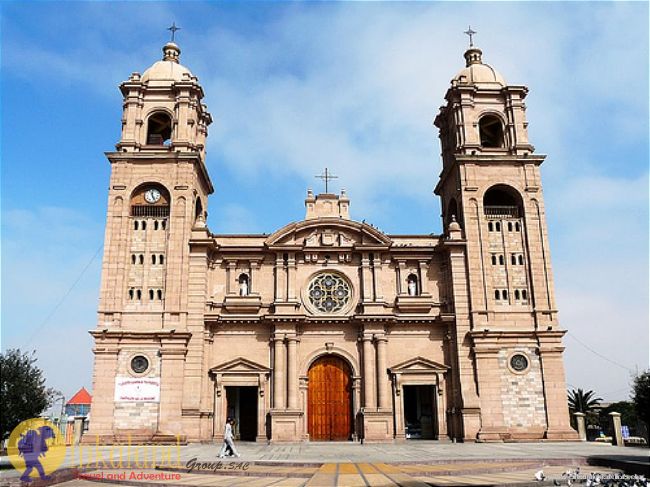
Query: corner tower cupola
{"x": 163, "y": 109}
{"x": 483, "y": 114}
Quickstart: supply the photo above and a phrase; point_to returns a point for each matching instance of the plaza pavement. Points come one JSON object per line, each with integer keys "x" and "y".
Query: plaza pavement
{"x": 413, "y": 464}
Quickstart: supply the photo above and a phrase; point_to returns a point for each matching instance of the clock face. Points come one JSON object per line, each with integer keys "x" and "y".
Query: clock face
{"x": 152, "y": 196}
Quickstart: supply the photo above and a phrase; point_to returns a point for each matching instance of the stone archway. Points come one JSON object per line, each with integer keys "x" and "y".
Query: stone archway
{"x": 329, "y": 399}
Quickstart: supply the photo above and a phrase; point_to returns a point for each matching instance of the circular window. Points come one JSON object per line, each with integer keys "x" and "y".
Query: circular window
{"x": 329, "y": 292}
{"x": 519, "y": 362}
{"x": 139, "y": 364}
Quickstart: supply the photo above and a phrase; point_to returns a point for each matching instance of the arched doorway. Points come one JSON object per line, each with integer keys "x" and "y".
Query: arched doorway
{"x": 329, "y": 403}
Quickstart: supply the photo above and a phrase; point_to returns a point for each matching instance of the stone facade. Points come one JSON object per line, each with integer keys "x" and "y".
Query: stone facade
{"x": 327, "y": 328}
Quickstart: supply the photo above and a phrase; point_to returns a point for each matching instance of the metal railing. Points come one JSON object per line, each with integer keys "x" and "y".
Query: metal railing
{"x": 501, "y": 211}
{"x": 150, "y": 211}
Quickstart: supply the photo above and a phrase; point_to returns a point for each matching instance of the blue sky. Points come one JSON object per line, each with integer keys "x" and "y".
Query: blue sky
{"x": 295, "y": 87}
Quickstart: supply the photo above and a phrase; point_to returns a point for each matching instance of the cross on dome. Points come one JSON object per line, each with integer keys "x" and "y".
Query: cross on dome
{"x": 470, "y": 33}
{"x": 173, "y": 30}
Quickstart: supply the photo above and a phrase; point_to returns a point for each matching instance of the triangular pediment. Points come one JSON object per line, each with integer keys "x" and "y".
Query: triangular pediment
{"x": 239, "y": 365}
{"x": 328, "y": 232}
{"x": 418, "y": 364}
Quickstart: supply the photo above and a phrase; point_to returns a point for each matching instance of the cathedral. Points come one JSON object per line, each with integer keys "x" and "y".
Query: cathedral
{"x": 327, "y": 329}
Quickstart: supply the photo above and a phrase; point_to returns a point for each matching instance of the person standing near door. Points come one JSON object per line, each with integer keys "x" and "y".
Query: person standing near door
{"x": 228, "y": 439}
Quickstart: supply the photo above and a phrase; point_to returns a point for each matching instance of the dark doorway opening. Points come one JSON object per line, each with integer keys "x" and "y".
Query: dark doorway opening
{"x": 242, "y": 405}
{"x": 420, "y": 412}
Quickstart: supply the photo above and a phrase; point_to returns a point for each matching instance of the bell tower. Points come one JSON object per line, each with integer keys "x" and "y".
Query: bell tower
{"x": 150, "y": 326}
{"x": 507, "y": 331}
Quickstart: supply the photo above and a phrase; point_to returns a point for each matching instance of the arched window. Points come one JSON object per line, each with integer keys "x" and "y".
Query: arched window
{"x": 144, "y": 225}
{"x": 132, "y": 258}
{"x": 412, "y": 285}
{"x": 510, "y": 226}
{"x": 150, "y": 294}
{"x": 135, "y": 225}
{"x": 141, "y": 259}
{"x": 155, "y": 225}
{"x": 497, "y": 226}
{"x": 497, "y": 295}
{"x": 524, "y": 294}
{"x": 491, "y": 131}
{"x": 131, "y": 294}
{"x": 502, "y": 201}
{"x": 517, "y": 228}
{"x": 159, "y": 129}
{"x": 513, "y": 259}
{"x": 150, "y": 200}
{"x": 517, "y": 294}
{"x": 490, "y": 227}
{"x": 138, "y": 294}
{"x": 243, "y": 284}
{"x": 153, "y": 259}
{"x": 501, "y": 260}
{"x": 161, "y": 259}
{"x": 159, "y": 293}
{"x": 164, "y": 224}
{"x": 198, "y": 209}
{"x": 521, "y": 260}
{"x": 453, "y": 212}
{"x": 494, "y": 260}
{"x": 504, "y": 294}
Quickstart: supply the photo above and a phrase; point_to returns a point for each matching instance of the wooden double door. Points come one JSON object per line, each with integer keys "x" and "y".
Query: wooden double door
{"x": 329, "y": 404}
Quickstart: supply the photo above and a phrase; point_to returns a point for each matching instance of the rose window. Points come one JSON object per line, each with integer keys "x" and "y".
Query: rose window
{"x": 329, "y": 292}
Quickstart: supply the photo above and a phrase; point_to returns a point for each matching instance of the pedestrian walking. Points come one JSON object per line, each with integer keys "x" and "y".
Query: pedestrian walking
{"x": 228, "y": 439}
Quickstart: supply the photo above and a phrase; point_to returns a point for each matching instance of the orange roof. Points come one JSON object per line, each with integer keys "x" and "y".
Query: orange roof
{"x": 81, "y": 397}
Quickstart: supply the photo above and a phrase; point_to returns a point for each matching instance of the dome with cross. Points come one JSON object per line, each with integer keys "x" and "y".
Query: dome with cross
{"x": 169, "y": 68}
{"x": 478, "y": 73}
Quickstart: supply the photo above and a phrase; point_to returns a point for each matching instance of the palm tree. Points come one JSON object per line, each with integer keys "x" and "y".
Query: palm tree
{"x": 582, "y": 402}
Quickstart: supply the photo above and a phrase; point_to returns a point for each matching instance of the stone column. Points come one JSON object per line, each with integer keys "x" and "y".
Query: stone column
{"x": 291, "y": 277}
{"x": 366, "y": 278}
{"x": 617, "y": 435}
{"x": 292, "y": 372}
{"x": 103, "y": 405}
{"x": 580, "y": 423}
{"x": 278, "y": 372}
{"x": 557, "y": 411}
{"x": 376, "y": 276}
{"x": 368, "y": 373}
{"x": 231, "y": 269}
{"x": 382, "y": 392}
{"x": 424, "y": 281}
{"x": 401, "y": 271}
{"x": 171, "y": 391}
{"x": 280, "y": 279}
{"x": 488, "y": 375}
{"x": 253, "y": 275}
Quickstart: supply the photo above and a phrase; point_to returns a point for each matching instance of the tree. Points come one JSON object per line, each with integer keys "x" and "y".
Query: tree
{"x": 641, "y": 397}
{"x": 23, "y": 394}
{"x": 582, "y": 402}
{"x": 627, "y": 412}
